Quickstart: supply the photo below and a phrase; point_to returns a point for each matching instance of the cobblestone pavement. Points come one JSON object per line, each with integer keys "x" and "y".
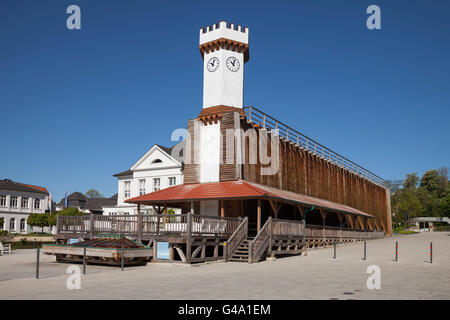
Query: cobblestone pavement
{"x": 315, "y": 276}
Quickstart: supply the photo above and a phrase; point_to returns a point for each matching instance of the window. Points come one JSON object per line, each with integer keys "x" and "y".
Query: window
{"x": 157, "y": 161}
{"x": 126, "y": 192}
{"x": 172, "y": 181}
{"x": 156, "y": 184}
{"x": 12, "y": 224}
{"x": 22, "y": 224}
{"x": 37, "y": 203}
{"x": 2, "y": 201}
{"x": 141, "y": 187}
{"x": 24, "y": 202}
{"x": 13, "y": 202}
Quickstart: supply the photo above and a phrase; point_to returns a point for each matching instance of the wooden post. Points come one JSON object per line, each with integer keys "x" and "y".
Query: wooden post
{"x": 164, "y": 214}
{"x": 139, "y": 223}
{"x": 189, "y": 234}
{"x": 91, "y": 226}
{"x": 323, "y": 213}
{"x": 222, "y": 209}
{"x": 258, "y": 227}
{"x": 58, "y": 224}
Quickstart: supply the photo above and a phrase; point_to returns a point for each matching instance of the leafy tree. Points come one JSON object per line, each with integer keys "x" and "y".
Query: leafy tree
{"x": 38, "y": 220}
{"x": 92, "y": 193}
{"x": 411, "y": 181}
{"x": 431, "y": 182}
{"x": 409, "y": 206}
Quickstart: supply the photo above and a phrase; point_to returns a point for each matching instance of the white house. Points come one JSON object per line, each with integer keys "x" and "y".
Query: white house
{"x": 18, "y": 201}
{"x": 159, "y": 168}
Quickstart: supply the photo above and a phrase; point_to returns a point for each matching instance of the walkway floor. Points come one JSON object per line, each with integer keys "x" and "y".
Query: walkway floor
{"x": 316, "y": 276}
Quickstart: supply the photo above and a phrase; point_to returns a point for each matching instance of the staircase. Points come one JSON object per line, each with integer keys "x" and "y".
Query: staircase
{"x": 241, "y": 252}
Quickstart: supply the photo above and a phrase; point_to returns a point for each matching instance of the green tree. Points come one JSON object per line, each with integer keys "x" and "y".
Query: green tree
{"x": 38, "y": 220}
{"x": 92, "y": 193}
{"x": 409, "y": 206}
{"x": 431, "y": 181}
{"x": 411, "y": 181}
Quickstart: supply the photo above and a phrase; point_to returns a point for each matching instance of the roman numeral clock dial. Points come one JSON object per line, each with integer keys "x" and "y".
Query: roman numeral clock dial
{"x": 233, "y": 64}
{"x": 213, "y": 64}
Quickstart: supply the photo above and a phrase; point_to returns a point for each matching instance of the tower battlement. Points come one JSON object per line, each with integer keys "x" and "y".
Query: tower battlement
{"x": 230, "y": 31}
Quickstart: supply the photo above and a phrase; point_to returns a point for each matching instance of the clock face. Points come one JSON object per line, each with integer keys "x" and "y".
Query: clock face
{"x": 233, "y": 64}
{"x": 213, "y": 64}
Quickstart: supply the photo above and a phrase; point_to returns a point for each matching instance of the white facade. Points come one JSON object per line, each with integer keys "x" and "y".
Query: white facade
{"x": 156, "y": 170}
{"x": 223, "y": 70}
{"x": 16, "y": 206}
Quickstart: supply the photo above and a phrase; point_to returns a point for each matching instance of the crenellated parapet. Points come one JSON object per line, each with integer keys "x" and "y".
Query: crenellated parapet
{"x": 223, "y": 35}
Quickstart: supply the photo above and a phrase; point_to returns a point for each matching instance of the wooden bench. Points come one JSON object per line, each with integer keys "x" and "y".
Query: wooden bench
{"x": 5, "y": 248}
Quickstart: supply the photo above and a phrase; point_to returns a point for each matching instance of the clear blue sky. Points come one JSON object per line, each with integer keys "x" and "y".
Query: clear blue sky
{"x": 79, "y": 106}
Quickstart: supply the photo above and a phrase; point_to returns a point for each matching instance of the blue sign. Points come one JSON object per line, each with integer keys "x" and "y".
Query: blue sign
{"x": 72, "y": 241}
{"x": 162, "y": 251}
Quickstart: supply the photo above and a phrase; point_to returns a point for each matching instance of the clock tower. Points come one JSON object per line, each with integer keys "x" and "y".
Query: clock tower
{"x": 224, "y": 48}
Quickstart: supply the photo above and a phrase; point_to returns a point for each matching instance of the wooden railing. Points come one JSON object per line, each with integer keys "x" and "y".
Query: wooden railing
{"x": 321, "y": 232}
{"x": 256, "y": 116}
{"x": 287, "y": 228}
{"x": 236, "y": 238}
{"x": 273, "y": 229}
{"x": 261, "y": 242}
{"x": 154, "y": 224}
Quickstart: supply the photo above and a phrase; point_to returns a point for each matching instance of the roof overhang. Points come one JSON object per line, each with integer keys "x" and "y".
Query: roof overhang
{"x": 237, "y": 190}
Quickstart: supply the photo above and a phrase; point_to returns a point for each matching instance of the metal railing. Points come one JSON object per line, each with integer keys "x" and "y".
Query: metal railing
{"x": 265, "y": 121}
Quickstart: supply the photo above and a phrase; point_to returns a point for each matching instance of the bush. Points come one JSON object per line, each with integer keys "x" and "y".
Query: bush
{"x": 441, "y": 228}
{"x": 3, "y": 232}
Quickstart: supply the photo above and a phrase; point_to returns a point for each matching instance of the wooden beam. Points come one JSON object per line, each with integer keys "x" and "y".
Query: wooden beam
{"x": 300, "y": 210}
{"x": 275, "y": 207}
{"x": 349, "y": 219}
{"x": 258, "y": 226}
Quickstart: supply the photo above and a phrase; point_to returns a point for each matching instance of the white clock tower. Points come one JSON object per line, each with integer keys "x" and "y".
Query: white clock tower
{"x": 224, "y": 48}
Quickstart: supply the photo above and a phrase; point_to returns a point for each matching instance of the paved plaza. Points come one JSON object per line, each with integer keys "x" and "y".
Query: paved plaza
{"x": 315, "y": 276}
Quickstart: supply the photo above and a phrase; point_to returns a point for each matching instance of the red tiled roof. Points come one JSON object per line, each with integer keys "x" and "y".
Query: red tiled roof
{"x": 239, "y": 189}
{"x": 36, "y": 187}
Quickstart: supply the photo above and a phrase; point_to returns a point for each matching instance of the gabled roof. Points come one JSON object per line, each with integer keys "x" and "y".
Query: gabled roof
{"x": 239, "y": 189}
{"x": 124, "y": 173}
{"x": 166, "y": 150}
{"x": 77, "y": 199}
{"x": 7, "y": 184}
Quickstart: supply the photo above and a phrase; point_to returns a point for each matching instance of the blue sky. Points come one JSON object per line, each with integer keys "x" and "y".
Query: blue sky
{"x": 79, "y": 106}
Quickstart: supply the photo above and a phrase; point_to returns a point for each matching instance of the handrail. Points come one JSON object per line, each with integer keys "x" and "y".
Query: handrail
{"x": 257, "y": 116}
{"x": 261, "y": 242}
{"x": 236, "y": 238}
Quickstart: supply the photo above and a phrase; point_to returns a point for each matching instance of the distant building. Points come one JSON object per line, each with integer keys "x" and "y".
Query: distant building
{"x": 159, "y": 168}
{"x": 85, "y": 204}
{"x": 18, "y": 201}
